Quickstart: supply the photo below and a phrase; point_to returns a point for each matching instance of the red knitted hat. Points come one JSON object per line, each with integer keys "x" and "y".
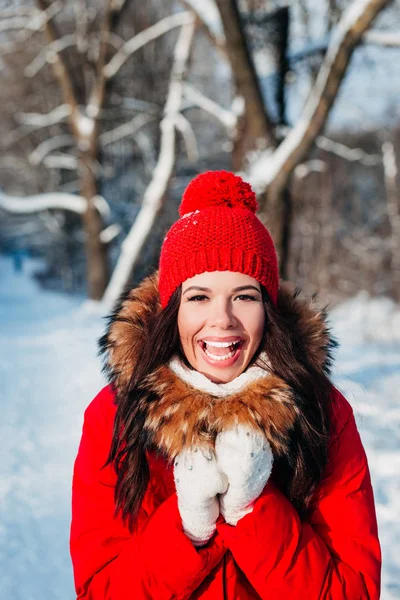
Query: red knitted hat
{"x": 218, "y": 231}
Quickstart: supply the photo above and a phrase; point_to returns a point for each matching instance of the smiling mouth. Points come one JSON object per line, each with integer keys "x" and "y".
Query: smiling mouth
{"x": 226, "y": 350}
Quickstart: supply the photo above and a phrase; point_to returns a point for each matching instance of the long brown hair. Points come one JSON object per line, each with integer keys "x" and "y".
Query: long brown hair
{"x": 298, "y": 472}
{"x": 302, "y": 468}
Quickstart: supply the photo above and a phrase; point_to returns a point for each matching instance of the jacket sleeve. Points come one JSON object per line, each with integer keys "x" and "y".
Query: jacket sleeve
{"x": 156, "y": 561}
{"x": 335, "y": 555}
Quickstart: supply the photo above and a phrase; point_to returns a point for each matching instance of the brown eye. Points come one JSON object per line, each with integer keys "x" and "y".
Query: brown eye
{"x": 246, "y": 298}
{"x": 197, "y": 298}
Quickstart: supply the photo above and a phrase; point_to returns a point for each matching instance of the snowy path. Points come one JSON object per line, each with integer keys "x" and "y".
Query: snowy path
{"x": 50, "y": 371}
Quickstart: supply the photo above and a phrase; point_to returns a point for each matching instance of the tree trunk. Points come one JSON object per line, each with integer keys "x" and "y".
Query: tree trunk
{"x": 276, "y": 216}
{"x": 393, "y": 211}
{"x": 255, "y": 132}
{"x": 96, "y": 252}
{"x": 273, "y": 172}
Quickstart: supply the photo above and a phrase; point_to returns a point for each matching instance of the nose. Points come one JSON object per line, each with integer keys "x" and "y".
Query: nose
{"x": 221, "y": 315}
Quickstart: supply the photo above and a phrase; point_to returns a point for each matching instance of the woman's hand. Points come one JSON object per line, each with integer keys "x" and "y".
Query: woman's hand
{"x": 198, "y": 481}
{"x": 245, "y": 457}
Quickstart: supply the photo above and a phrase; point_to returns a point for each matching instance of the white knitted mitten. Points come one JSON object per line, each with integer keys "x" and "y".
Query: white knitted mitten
{"x": 245, "y": 456}
{"x": 197, "y": 482}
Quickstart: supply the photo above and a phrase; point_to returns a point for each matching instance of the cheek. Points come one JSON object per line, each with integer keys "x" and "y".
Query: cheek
{"x": 256, "y": 328}
{"x": 186, "y": 329}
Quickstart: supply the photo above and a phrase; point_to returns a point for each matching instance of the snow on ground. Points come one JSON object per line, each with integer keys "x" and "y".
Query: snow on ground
{"x": 50, "y": 371}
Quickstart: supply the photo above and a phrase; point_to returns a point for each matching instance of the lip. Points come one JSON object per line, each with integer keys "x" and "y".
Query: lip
{"x": 231, "y": 338}
{"x": 228, "y": 362}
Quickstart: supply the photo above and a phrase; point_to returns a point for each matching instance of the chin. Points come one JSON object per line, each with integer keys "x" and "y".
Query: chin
{"x": 219, "y": 376}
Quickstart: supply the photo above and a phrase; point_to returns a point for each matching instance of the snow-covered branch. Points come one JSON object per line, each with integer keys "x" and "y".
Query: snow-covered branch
{"x": 49, "y": 54}
{"x": 16, "y": 11}
{"x": 382, "y": 38}
{"x": 117, "y": 5}
{"x": 26, "y": 18}
{"x": 57, "y": 115}
{"x": 208, "y": 15}
{"x": 350, "y": 154}
{"x": 311, "y": 166}
{"x": 275, "y": 169}
{"x": 43, "y": 149}
{"x": 339, "y": 149}
{"x": 61, "y": 161}
{"x": 125, "y": 129}
{"x": 39, "y": 19}
{"x": 114, "y": 40}
{"x": 33, "y": 204}
{"x": 143, "y": 38}
{"x": 110, "y": 233}
{"x": 25, "y": 205}
{"x": 189, "y": 137}
{"x": 13, "y": 23}
{"x": 158, "y": 186}
{"x": 147, "y": 150}
{"x": 227, "y": 118}
{"x": 60, "y": 67}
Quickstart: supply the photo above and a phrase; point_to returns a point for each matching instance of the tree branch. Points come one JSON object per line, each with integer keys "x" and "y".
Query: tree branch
{"x": 157, "y": 188}
{"x": 126, "y": 129}
{"x": 16, "y": 11}
{"x": 143, "y": 38}
{"x": 43, "y": 149}
{"x": 110, "y": 233}
{"x": 189, "y": 137}
{"x": 37, "y": 120}
{"x": 258, "y": 131}
{"x": 26, "y": 205}
{"x": 96, "y": 99}
{"x": 274, "y": 170}
{"x": 81, "y": 25}
{"x": 61, "y": 161}
{"x": 350, "y": 154}
{"x": 226, "y": 117}
{"x": 382, "y": 38}
{"x": 146, "y": 148}
{"x": 59, "y": 66}
{"x": 339, "y": 149}
{"x": 217, "y": 40}
{"x": 33, "y": 204}
{"x": 13, "y": 23}
{"x": 49, "y": 54}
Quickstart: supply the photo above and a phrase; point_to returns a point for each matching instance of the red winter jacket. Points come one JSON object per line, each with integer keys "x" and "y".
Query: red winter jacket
{"x": 270, "y": 554}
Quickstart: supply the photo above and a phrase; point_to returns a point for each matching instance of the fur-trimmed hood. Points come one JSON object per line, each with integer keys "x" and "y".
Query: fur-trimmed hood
{"x": 176, "y": 414}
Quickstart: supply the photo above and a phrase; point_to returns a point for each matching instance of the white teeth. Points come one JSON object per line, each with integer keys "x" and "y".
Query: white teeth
{"x": 215, "y": 357}
{"x": 220, "y": 344}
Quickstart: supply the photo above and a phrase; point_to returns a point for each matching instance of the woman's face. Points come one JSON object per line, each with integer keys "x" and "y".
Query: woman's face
{"x": 221, "y": 322}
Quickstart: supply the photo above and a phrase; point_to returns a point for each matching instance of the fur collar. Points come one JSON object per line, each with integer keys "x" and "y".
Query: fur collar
{"x": 220, "y": 390}
{"x": 180, "y": 410}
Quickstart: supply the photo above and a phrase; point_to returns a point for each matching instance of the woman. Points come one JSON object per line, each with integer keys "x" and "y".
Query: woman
{"x": 220, "y": 462}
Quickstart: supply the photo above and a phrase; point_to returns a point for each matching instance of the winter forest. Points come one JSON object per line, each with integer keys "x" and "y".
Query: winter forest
{"x": 108, "y": 109}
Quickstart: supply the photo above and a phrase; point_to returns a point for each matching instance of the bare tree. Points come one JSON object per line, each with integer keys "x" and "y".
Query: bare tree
{"x": 267, "y": 155}
{"x": 84, "y": 87}
{"x": 156, "y": 191}
{"x": 270, "y": 172}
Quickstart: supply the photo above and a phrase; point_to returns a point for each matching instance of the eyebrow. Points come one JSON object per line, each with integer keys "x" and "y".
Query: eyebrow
{"x": 238, "y": 289}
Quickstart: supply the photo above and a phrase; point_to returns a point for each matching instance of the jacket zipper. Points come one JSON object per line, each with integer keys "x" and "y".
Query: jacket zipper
{"x": 224, "y": 578}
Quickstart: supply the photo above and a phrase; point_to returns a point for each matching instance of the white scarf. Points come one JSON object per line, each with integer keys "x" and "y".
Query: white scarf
{"x": 221, "y": 390}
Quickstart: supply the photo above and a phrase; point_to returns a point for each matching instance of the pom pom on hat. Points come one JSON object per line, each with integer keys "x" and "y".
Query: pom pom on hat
{"x": 218, "y": 231}
{"x": 217, "y": 188}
